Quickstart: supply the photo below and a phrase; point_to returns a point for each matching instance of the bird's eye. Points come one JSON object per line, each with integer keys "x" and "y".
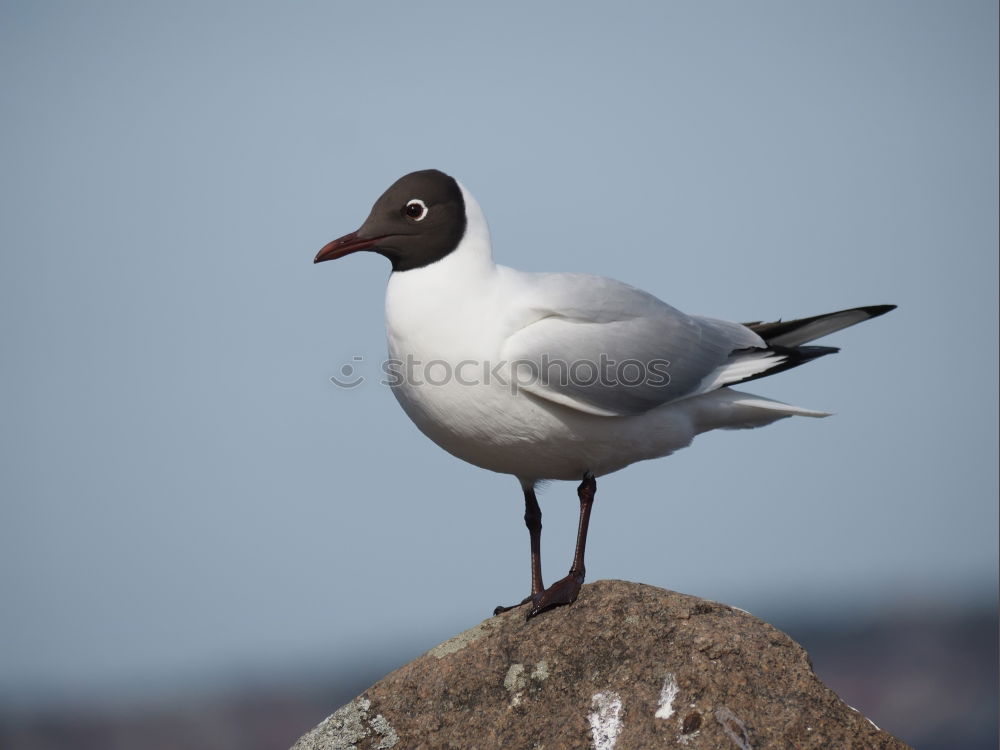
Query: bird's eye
{"x": 416, "y": 209}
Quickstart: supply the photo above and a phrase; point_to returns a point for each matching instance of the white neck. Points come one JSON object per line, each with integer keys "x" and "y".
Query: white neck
{"x": 475, "y": 251}
{"x": 460, "y": 274}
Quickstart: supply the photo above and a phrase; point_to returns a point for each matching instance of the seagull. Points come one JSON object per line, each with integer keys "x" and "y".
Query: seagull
{"x": 556, "y": 376}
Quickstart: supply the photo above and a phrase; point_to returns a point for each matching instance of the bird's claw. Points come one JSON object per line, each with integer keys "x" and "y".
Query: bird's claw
{"x": 559, "y": 593}
{"x": 502, "y": 608}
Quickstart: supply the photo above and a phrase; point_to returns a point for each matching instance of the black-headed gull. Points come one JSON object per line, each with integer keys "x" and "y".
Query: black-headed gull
{"x": 556, "y": 375}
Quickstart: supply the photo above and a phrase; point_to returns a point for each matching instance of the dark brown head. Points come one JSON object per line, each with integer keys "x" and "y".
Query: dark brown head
{"x": 417, "y": 221}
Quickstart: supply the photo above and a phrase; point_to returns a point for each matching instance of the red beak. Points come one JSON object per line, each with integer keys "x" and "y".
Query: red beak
{"x": 349, "y": 243}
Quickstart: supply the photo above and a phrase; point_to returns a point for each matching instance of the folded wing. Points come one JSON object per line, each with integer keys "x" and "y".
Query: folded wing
{"x": 602, "y": 347}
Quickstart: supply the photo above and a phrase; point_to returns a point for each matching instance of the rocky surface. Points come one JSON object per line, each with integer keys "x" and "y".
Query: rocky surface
{"x": 627, "y": 667}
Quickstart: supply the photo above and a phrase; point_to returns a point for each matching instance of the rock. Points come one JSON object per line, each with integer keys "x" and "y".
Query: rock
{"x": 627, "y": 667}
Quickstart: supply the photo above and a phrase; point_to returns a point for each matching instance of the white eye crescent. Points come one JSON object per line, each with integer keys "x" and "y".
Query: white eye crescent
{"x": 416, "y": 209}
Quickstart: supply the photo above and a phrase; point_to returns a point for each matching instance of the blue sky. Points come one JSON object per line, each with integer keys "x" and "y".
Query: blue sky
{"x": 184, "y": 491}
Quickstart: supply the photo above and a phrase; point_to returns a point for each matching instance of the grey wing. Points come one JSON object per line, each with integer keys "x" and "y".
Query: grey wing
{"x": 609, "y": 349}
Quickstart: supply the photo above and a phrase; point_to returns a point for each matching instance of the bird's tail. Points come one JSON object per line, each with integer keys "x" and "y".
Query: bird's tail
{"x": 784, "y": 339}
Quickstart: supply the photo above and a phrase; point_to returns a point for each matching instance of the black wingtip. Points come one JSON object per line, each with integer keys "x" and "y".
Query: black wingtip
{"x": 799, "y": 354}
{"x": 875, "y": 310}
{"x": 792, "y": 356}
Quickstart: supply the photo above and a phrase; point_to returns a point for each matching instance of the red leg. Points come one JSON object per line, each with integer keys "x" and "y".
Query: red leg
{"x": 533, "y": 520}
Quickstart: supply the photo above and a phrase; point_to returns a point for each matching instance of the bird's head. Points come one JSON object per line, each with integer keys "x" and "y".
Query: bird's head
{"x": 420, "y": 219}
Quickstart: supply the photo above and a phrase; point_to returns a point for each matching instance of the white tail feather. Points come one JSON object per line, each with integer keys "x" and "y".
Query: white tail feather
{"x": 756, "y": 402}
{"x": 727, "y": 409}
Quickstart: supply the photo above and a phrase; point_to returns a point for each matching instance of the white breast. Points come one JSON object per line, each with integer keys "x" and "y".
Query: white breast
{"x": 445, "y": 324}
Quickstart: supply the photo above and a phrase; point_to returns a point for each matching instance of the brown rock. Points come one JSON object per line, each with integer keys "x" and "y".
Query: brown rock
{"x": 627, "y": 667}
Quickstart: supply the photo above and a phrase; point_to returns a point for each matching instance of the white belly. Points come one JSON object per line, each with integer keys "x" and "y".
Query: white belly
{"x": 517, "y": 435}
